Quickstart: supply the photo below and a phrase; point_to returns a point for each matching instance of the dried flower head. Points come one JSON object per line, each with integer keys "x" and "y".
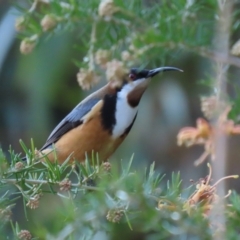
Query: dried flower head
{"x": 86, "y": 78}
{"x": 236, "y": 49}
{"x": 65, "y": 185}
{"x": 18, "y": 166}
{"x": 49, "y": 22}
{"x": 5, "y": 214}
{"x": 116, "y": 72}
{"x": 20, "y": 24}
{"x": 189, "y": 135}
{"x": 37, "y": 154}
{"x": 115, "y": 215}
{"x": 24, "y": 235}
{"x": 205, "y": 194}
{"x": 126, "y": 56}
{"x": 210, "y": 106}
{"x": 106, "y": 8}
{"x": 33, "y": 202}
{"x": 102, "y": 57}
{"x": 106, "y": 166}
{"x": 205, "y": 133}
{"x": 28, "y": 44}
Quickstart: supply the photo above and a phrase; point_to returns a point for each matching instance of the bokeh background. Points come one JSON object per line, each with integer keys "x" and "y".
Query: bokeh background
{"x": 39, "y": 89}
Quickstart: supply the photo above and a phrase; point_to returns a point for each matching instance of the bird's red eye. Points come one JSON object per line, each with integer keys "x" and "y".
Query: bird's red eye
{"x": 132, "y": 76}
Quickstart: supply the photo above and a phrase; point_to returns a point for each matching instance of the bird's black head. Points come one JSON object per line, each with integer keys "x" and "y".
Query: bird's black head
{"x": 138, "y": 73}
{"x": 139, "y": 80}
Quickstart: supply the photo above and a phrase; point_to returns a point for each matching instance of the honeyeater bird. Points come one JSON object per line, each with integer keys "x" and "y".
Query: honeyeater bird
{"x": 101, "y": 121}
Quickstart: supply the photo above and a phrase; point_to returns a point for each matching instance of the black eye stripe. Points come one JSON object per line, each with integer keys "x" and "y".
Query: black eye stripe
{"x": 139, "y": 73}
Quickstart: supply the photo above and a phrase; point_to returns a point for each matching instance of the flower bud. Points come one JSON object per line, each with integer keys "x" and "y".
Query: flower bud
{"x": 24, "y": 235}
{"x": 28, "y": 44}
{"x": 49, "y": 22}
{"x": 106, "y": 166}
{"x": 102, "y": 57}
{"x": 126, "y": 56}
{"x": 106, "y": 8}
{"x": 65, "y": 185}
{"x": 33, "y": 202}
{"x": 115, "y": 215}
{"x": 86, "y": 78}
{"x": 19, "y": 165}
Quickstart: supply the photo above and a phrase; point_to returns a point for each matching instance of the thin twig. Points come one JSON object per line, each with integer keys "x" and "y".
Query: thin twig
{"x": 92, "y": 44}
{"x": 221, "y": 43}
{"x": 202, "y": 51}
{"x": 35, "y": 181}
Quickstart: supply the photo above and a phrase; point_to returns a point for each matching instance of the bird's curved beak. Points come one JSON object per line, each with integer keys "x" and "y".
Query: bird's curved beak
{"x": 155, "y": 71}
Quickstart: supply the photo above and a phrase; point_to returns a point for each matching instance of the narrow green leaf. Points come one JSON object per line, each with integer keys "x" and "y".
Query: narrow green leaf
{"x": 128, "y": 221}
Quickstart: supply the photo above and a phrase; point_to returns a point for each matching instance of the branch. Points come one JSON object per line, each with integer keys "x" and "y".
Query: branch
{"x": 202, "y": 51}
{"x": 44, "y": 182}
{"x": 218, "y": 57}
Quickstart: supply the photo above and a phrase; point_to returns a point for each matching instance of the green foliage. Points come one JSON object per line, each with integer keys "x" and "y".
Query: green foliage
{"x": 235, "y": 101}
{"x": 99, "y": 200}
{"x": 150, "y": 28}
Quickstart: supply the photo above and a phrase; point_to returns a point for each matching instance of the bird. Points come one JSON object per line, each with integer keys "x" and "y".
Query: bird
{"x": 100, "y": 122}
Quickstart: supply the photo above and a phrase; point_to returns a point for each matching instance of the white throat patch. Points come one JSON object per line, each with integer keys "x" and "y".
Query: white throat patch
{"x": 124, "y": 112}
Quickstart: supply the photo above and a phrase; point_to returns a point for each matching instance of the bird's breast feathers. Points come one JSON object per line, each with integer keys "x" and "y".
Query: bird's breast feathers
{"x": 124, "y": 115}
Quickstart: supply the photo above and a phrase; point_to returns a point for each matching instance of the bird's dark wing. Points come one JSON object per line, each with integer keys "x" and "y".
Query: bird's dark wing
{"x": 72, "y": 120}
